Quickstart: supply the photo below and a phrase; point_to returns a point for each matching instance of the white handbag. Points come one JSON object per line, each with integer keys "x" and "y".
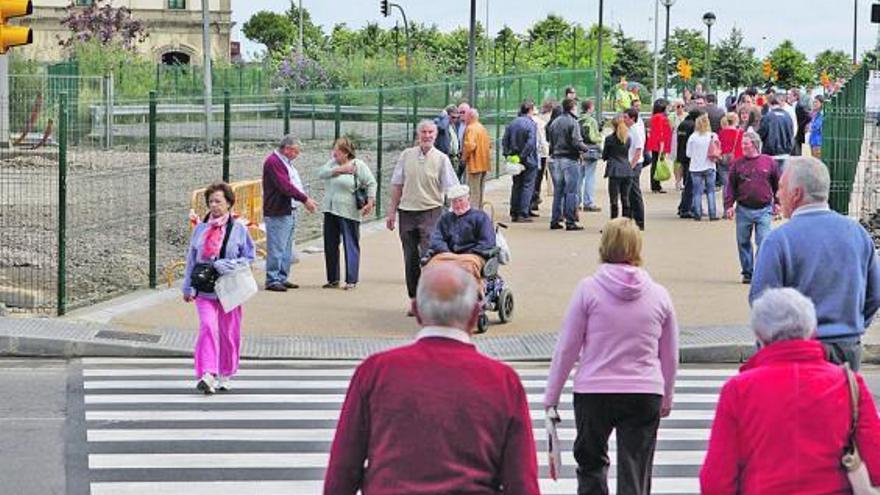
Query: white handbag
{"x": 856, "y": 471}
{"x": 236, "y": 287}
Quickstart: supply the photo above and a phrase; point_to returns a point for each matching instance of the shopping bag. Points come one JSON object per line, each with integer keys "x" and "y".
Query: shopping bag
{"x": 554, "y": 457}
{"x": 503, "y": 248}
{"x": 663, "y": 171}
{"x": 236, "y": 287}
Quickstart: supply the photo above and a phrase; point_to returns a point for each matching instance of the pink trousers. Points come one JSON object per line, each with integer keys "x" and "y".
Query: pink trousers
{"x": 217, "y": 348}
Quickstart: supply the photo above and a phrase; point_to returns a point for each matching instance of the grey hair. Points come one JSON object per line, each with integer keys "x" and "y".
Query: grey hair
{"x": 425, "y": 123}
{"x": 438, "y": 309}
{"x": 811, "y": 175}
{"x": 475, "y": 113}
{"x": 755, "y": 139}
{"x": 783, "y": 314}
{"x": 289, "y": 140}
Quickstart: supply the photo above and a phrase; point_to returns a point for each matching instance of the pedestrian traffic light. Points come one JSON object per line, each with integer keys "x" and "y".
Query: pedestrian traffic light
{"x": 383, "y": 7}
{"x": 14, "y": 35}
{"x": 767, "y": 69}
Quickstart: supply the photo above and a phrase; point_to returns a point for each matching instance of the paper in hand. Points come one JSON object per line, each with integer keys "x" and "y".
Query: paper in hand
{"x": 555, "y": 459}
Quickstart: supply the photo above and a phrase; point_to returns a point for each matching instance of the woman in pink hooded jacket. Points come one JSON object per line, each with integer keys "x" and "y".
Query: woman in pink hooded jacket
{"x": 620, "y": 327}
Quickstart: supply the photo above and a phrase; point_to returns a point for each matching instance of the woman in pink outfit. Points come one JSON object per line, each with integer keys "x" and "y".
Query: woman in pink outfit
{"x": 226, "y": 245}
{"x": 620, "y": 327}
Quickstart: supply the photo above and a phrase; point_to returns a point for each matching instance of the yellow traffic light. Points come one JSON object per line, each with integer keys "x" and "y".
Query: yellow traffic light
{"x": 14, "y": 35}
{"x": 767, "y": 69}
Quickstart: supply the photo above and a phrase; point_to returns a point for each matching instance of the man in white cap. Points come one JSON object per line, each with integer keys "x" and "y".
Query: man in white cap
{"x": 463, "y": 235}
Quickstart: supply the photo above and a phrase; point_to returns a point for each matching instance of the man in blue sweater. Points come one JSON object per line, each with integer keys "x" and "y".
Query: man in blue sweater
{"x": 826, "y": 256}
{"x": 521, "y": 139}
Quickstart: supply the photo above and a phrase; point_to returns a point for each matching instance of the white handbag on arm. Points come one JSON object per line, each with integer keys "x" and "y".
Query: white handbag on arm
{"x": 236, "y": 287}
{"x": 856, "y": 471}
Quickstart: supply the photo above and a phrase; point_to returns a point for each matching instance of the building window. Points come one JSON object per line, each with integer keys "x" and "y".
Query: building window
{"x": 177, "y": 4}
{"x": 84, "y": 3}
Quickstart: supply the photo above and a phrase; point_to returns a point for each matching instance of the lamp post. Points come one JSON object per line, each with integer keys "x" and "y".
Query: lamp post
{"x": 472, "y": 52}
{"x": 599, "y": 75}
{"x": 855, "y": 29}
{"x": 668, "y": 4}
{"x": 708, "y": 20}
{"x": 656, "y": 42}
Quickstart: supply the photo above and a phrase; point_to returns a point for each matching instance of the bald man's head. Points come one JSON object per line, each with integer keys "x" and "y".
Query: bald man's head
{"x": 447, "y": 296}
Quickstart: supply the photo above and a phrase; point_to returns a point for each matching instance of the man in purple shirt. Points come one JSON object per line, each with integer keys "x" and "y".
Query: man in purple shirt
{"x": 283, "y": 191}
{"x": 752, "y": 186}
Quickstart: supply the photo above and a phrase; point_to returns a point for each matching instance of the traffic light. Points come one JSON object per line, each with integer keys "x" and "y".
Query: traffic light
{"x": 14, "y": 35}
{"x": 383, "y": 7}
{"x": 767, "y": 69}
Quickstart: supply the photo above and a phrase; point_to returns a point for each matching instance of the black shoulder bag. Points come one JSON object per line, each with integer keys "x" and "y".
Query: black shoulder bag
{"x": 204, "y": 275}
{"x": 360, "y": 192}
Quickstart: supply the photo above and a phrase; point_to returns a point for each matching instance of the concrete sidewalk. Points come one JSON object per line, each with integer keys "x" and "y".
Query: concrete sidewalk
{"x": 697, "y": 262}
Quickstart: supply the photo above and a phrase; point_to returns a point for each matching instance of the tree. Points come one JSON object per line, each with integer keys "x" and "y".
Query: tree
{"x": 791, "y": 65}
{"x": 270, "y": 29}
{"x": 734, "y": 65}
{"x": 685, "y": 44}
{"x": 633, "y": 61}
{"x": 103, "y": 23}
{"x": 834, "y": 63}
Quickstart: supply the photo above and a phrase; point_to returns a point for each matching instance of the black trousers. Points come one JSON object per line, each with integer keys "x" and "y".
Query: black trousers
{"x": 415, "y": 236}
{"x": 636, "y": 201}
{"x": 348, "y": 230}
{"x": 539, "y": 179}
{"x": 839, "y": 352}
{"x": 653, "y": 158}
{"x": 618, "y": 189}
{"x": 635, "y": 418}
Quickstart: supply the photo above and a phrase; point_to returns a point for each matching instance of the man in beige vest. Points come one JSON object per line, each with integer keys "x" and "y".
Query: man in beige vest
{"x": 418, "y": 186}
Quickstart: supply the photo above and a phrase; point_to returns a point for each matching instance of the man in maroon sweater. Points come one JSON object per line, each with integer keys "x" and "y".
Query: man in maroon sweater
{"x": 283, "y": 192}
{"x": 752, "y": 184}
{"x": 435, "y": 416}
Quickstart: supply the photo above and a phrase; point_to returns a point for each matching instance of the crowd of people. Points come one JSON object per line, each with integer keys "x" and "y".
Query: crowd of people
{"x": 437, "y": 416}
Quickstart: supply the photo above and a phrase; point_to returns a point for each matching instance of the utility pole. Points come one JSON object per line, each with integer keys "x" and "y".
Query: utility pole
{"x": 656, "y": 43}
{"x": 300, "y": 49}
{"x": 472, "y": 53}
{"x": 599, "y": 75}
{"x": 206, "y": 48}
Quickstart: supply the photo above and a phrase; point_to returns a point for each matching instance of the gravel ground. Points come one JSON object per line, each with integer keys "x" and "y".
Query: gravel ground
{"x": 108, "y": 215}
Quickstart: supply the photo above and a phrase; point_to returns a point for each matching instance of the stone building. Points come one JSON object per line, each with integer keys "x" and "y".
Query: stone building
{"x": 175, "y": 28}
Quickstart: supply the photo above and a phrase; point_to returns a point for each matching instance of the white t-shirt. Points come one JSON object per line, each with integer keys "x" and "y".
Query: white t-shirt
{"x": 293, "y": 174}
{"x": 698, "y": 151}
{"x": 637, "y": 140}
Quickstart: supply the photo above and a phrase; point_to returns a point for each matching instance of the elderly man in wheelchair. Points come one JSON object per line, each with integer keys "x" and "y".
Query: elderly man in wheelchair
{"x": 466, "y": 236}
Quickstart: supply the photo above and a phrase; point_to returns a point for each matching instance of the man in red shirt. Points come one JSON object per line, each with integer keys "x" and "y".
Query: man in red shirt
{"x": 435, "y": 416}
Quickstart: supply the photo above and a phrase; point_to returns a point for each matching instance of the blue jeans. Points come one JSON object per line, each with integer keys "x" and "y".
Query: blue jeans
{"x": 704, "y": 181}
{"x": 279, "y": 247}
{"x": 587, "y": 184}
{"x": 522, "y": 191}
{"x": 565, "y": 174}
{"x": 746, "y": 219}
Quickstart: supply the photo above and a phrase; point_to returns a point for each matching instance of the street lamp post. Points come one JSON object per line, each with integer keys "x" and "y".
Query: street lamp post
{"x": 599, "y": 75}
{"x": 668, "y": 4}
{"x": 708, "y": 20}
{"x": 855, "y": 29}
{"x": 472, "y": 52}
{"x": 656, "y": 42}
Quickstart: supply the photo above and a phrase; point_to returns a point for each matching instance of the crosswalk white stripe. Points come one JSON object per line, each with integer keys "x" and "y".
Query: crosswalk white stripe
{"x": 276, "y": 460}
{"x": 245, "y": 384}
{"x": 548, "y": 487}
{"x": 303, "y": 434}
{"x": 115, "y": 361}
{"x": 318, "y": 372}
{"x": 93, "y": 399}
{"x": 292, "y": 415}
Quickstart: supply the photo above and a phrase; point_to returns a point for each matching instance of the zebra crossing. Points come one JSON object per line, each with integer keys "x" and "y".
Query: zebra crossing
{"x": 149, "y": 431}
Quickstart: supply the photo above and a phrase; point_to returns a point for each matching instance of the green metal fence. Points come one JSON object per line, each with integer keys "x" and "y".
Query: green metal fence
{"x": 107, "y": 213}
{"x": 842, "y": 137}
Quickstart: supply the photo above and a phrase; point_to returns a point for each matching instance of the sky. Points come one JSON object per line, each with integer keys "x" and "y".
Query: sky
{"x": 813, "y": 25}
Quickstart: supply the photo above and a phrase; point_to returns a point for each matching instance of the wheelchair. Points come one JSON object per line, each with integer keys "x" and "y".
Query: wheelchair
{"x": 497, "y": 297}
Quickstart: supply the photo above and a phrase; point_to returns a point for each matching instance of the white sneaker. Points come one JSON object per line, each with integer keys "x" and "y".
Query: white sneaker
{"x": 223, "y": 383}
{"x": 206, "y": 384}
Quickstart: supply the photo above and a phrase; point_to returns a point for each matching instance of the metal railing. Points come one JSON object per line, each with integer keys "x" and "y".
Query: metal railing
{"x": 842, "y": 138}
{"x": 100, "y": 208}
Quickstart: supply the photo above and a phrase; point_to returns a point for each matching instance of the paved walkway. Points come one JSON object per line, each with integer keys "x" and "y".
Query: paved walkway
{"x": 697, "y": 262}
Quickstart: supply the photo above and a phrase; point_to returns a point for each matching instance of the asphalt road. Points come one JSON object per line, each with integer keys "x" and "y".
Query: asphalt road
{"x": 43, "y": 446}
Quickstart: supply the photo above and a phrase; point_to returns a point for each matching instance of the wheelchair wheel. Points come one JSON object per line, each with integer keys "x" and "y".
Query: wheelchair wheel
{"x": 482, "y": 323}
{"x": 505, "y": 306}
